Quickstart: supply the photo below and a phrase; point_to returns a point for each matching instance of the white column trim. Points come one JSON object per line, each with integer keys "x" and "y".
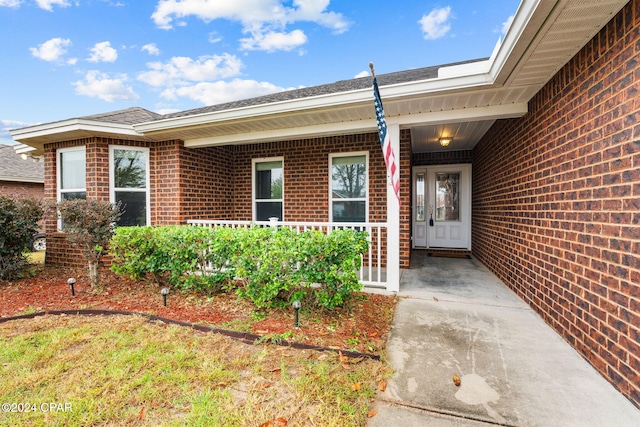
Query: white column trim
{"x": 393, "y": 216}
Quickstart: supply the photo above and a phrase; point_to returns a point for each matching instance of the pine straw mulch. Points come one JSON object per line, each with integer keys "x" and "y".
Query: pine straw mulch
{"x": 362, "y": 325}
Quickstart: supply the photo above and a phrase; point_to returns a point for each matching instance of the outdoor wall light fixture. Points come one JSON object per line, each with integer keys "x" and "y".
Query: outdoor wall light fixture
{"x": 296, "y": 307}
{"x": 71, "y": 281}
{"x": 445, "y": 140}
{"x": 164, "y": 292}
{"x": 29, "y": 156}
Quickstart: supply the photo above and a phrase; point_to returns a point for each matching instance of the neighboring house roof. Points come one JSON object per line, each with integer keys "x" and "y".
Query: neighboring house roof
{"x": 461, "y": 100}
{"x": 14, "y": 168}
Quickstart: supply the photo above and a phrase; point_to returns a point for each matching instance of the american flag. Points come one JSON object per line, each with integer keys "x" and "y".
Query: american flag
{"x": 385, "y": 140}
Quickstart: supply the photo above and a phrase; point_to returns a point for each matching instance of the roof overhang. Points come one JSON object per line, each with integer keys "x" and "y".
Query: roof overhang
{"x": 22, "y": 179}
{"x": 33, "y": 138}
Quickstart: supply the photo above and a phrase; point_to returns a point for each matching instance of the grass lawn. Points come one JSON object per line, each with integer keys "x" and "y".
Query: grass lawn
{"x": 125, "y": 370}
{"x": 36, "y": 257}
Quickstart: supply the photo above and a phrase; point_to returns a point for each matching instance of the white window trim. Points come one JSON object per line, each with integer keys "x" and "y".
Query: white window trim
{"x": 59, "y": 170}
{"x": 59, "y": 175}
{"x": 147, "y": 189}
{"x": 366, "y": 183}
{"x": 254, "y": 209}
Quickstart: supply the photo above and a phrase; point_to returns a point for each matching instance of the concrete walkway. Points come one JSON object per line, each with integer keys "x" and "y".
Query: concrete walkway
{"x": 457, "y": 318}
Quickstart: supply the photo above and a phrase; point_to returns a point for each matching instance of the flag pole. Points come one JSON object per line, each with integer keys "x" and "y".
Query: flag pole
{"x": 373, "y": 73}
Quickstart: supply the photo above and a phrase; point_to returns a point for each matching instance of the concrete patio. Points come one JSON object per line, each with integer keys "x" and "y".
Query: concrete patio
{"x": 457, "y": 318}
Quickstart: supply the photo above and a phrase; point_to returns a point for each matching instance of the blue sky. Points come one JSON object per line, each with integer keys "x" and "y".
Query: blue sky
{"x": 71, "y": 58}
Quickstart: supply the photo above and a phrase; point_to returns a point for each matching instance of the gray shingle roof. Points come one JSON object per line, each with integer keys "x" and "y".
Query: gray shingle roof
{"x": 14, "y": 168}
{"x": 417, "y": 74}
{"x": 129, "y": 116}
{"x": 140, "y": 115}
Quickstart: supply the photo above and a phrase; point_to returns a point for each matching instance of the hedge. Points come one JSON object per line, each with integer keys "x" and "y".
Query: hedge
{"x": 269, "y": 266}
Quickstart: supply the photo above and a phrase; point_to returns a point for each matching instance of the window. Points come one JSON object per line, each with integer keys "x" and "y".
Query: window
{"x": 71, "y": 168}
{"x": 268, "y": 184}
{"x": 129, "y": 183}
{"x": 348, "y": 195}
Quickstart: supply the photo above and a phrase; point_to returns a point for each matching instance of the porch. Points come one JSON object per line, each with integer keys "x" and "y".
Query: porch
{"x": 457, "y": 318}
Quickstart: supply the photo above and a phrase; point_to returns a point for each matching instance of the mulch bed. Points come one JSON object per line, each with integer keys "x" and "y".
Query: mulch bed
{"x": 362, "y": 325}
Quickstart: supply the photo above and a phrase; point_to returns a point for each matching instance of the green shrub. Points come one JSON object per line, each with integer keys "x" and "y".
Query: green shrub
{"x": 18, "y": 223}
{"x": 185, "y": 257}
{"x": 267, "y": 263}
{"x": 273, "y": 265}
{"x": 332, "y": 263}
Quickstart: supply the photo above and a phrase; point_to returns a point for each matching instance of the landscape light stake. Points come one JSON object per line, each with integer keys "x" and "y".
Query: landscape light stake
{"x": 164, "y": 292}
{"x": 296, "y": 306}
{"x": 72, "y": 282}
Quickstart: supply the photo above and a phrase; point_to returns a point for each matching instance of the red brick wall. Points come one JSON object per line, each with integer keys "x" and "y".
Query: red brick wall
{"x": 206, "y": 183}
{"x": 556, "y": 202}
{"x": 442, "y": 158}
{"x": 306, "y": 175}
{"x": 215, "y": 182}
{"x": 306, "y": 178}
{"x": 22, "y": 189}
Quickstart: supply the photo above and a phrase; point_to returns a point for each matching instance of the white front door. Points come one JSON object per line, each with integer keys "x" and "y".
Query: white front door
{"x": 442, "y": 207}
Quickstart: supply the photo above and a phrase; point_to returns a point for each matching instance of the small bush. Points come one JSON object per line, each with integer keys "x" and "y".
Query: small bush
{"x": 89, "y": 225}
{"x": 186, "y": 257}
{"x": 18, "y": 223}
{"x": 267, "y": 265}
{"x": 274, "y": 266}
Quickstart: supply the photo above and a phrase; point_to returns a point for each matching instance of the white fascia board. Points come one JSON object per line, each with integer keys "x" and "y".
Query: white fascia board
{"x": 72, "y": 125}
{"x": 297, "y": 133}
{"x": 341, "y": 99}
{"x": 468, "y": 114}
{"x": 23, "y": 149}
{"x": 494, "y": 112}
{"x": 280, "y": 107}
{"x": 21, "y": 179}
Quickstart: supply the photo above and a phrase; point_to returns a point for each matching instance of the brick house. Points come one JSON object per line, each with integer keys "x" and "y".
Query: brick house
{"x": 540, "y": 179}
{"x": 20, "y": 177}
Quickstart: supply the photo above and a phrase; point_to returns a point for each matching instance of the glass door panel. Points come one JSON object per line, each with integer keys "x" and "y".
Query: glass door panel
{"x": 447, "y": 200}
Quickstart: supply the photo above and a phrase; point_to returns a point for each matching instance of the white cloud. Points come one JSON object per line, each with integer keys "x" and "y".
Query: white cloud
{"x": 506, "y": 24}
{"x": 103, "y": 52}
{"x": 181, "y": 70}
{"x": 212, "y": 93}
{"x": 362, "y": 74}
{"x": 47, "y": 4}
{"x": 103, "y": 86}
{"x": 266, "y": 20}
{"x": 436, "y": 24}
{"x": 273, "y": 41}
{"x": 52, "y": 50}
{"x": 10, "y": 3}
{"x": 7, "y": 125}
{"x": 151, "y": 49}
{"x": 214, "y": 37}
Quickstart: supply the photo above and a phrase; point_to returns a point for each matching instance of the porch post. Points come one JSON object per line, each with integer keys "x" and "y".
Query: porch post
{"x": 393, "y": 216}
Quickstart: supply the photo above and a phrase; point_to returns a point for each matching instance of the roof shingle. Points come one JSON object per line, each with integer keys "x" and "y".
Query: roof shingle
{"x": 14, "y": 168}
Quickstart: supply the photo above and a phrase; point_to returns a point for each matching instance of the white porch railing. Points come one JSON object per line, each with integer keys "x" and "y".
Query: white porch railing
{"x": 373, "y": 272}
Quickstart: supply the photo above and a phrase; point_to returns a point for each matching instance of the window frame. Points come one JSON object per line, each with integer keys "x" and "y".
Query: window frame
{"x": 146, "y": 189}
{"x": 59, "y": 190}
{"x": 254, "y": 201}
{"x": 366, "y": 182}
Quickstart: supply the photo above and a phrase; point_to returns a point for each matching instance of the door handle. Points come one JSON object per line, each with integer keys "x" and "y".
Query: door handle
{"x": 430, "y": 215}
